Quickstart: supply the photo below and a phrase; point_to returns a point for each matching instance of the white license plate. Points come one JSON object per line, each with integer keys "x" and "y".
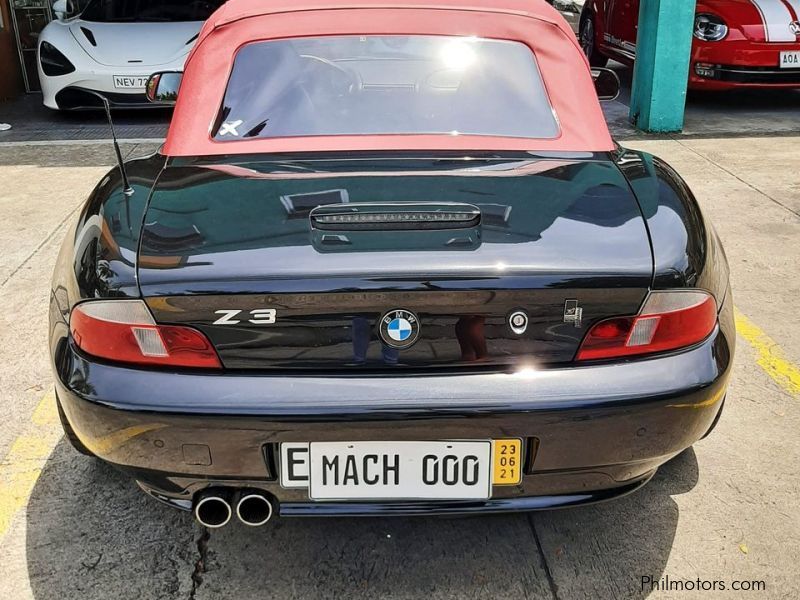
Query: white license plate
{"x": 790, "y": 59}
{"x": 130, "y": 82}
{"x": 459, "y": 470}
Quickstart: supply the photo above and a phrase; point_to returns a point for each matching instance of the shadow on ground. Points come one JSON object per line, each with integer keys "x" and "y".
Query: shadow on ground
{"x": 92, "y": 533}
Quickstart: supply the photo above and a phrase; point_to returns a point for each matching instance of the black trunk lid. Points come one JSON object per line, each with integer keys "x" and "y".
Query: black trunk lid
{"x": 330, "y": 244}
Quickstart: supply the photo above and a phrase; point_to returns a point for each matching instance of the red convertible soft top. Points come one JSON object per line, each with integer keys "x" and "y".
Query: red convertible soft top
{"x": 563, "y": 66}
{"x": 234, "y": 10}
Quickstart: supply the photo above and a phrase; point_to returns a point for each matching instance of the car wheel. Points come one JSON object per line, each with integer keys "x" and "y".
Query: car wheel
{"x": 587, "y": 41}
{"x": 69, "y": 433}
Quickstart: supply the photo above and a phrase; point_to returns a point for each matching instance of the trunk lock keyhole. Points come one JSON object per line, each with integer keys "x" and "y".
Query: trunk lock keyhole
{"x": 518, "y": 322}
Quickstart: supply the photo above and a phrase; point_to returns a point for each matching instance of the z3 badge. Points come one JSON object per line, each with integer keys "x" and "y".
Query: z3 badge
{"x": 258, "y": 316}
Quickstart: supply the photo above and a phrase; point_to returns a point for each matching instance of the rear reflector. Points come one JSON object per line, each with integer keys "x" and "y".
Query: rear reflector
{"x": 669, "y": 320}
{"x": 124, "y": 331}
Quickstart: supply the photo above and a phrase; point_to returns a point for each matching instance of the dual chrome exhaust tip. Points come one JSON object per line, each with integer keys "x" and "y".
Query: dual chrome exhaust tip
{"x": 254, "y": 509}
{"x": 214, "y": 508}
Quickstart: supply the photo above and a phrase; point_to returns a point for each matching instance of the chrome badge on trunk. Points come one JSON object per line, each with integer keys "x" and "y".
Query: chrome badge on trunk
{"x": 399, "y": 328}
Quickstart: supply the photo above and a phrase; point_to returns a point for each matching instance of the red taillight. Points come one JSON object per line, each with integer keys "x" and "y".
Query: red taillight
{"x": 124, "y": 331}
{"x": 667, "y": 321}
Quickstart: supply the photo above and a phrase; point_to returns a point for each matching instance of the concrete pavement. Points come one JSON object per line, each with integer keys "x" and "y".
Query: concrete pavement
{"x": 725, "y": 510}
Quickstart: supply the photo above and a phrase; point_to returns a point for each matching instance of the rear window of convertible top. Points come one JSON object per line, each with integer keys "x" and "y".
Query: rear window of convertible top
{"x": 362, "y": 85}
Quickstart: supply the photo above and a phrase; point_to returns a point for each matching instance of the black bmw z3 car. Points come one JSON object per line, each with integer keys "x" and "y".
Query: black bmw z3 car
{"x": 388, "y": 261}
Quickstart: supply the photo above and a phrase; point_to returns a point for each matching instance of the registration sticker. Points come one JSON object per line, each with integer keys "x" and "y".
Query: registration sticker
{"x": 506, "y": 462}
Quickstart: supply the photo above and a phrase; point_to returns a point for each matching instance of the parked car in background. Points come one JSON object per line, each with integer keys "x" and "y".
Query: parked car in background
{"x": 736, "y": 43}
{"x": 570, "y": 10}
{"x": 112, "y": 47}
{"x": 389, "y": 261}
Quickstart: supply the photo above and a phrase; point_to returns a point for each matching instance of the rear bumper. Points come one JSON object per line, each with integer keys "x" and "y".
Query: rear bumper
{"x": 591, "y": 432}
{"x": 495, "y": 505}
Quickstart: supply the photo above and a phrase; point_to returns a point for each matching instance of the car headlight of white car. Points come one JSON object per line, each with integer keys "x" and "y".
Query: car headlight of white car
{"x": 54, "y": 63}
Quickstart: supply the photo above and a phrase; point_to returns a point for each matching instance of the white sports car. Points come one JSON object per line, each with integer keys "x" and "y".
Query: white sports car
{"x": 113, "y": 46}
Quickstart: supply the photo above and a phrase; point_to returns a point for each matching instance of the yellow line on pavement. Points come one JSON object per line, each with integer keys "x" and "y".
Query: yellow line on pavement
{"x": 45, "y": 412}
{"x": 21, "y": 467}
{"x": 769, "y": 355}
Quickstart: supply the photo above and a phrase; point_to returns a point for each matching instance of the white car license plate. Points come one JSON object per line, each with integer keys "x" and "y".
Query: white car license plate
{"x": 400, "y": 470}
{"x": 790, "y": 59}
{"x": 130, "y": 82}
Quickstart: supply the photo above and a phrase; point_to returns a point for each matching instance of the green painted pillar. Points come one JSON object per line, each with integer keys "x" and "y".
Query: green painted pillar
{"x": 661, "y": 71}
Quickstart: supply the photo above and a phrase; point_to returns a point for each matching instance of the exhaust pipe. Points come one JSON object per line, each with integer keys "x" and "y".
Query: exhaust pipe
{"x": 213, "y": 508}
{"x": 254, "y": 508}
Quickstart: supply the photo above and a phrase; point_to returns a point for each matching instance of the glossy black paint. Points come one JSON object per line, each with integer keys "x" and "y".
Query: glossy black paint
{"x": 538, "y": 214}
{"x": 98, "y": 256}
{"x": 686, "y": 249}
{"x": 600, "y": 426}
{"x": 495, "y": 505}
{"x": 428, "y": 508}
{"x": 550, "y": 229}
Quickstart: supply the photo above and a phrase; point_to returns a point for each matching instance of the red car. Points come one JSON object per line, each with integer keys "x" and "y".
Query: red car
{"x": 736, "y": 43}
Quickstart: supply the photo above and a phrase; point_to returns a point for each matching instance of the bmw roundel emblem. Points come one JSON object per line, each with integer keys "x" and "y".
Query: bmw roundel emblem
{"x": 399, "y": 328}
